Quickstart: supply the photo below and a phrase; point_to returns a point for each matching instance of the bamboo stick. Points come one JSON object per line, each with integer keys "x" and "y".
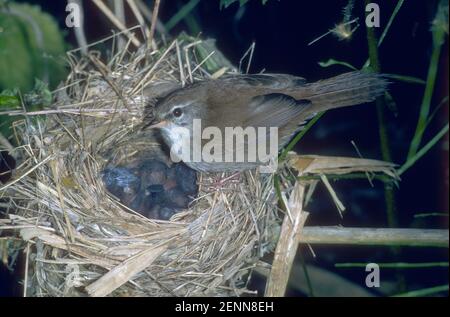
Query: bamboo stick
{"x": 375, "y": 236}
{"x": 287, "y": 244}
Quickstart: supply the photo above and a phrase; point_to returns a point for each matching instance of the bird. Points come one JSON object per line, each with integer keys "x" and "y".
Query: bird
{"x": 281, "y": 101}
{"x": 122, "y": 182}
{"x": 152, "y": 188}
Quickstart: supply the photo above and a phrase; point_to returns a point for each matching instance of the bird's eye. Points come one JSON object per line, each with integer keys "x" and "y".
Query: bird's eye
{"x": 177, "y": 112}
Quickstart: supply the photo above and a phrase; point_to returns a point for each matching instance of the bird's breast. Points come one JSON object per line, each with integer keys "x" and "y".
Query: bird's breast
{"x": 178, "y": 139}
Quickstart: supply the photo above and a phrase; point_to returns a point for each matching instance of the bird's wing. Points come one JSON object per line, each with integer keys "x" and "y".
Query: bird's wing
{"x": 274, "y": 110}
{"x": 264, "y": 82}
{"x": 259, "y": 101}
{"x": 271, "y": 111}
{"x": 256, "y": 100}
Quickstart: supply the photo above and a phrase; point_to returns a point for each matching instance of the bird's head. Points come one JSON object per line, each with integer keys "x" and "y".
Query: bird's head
{"x": 177, "y": 110}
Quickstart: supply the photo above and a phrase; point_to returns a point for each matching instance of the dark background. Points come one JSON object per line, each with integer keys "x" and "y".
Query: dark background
{"x": 282, "y": 29}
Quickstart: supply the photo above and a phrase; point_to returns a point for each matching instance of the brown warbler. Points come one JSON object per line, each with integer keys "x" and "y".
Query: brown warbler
{"x": 256, "y": 101}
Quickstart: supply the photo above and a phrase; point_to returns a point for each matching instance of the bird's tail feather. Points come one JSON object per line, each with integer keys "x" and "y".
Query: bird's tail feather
{"x": 345, "y": 90}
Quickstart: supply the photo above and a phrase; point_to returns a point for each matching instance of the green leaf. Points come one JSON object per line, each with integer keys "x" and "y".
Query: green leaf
{"x": 439, "y": 35}
{"x": 9, "y": 101}
{"x": 414, "y": 158}
{"x": 31, "y": 46}
{"x": 16, "y": 65}
{"x": 332, "y": 62}
{"x": 215, "y": 61}
{"x": 183, "y": 13}
{"x": 406, "y": 79}
{"x": 39, "y": 97}
{"x": 204, "y": 49}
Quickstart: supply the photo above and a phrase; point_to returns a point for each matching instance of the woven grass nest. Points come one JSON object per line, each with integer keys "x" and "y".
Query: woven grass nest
{"x": 80, "y": 239}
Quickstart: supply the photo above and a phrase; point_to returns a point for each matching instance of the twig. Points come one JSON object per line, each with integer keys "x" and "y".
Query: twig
{"x": 119, "y": 12}
{"x": 180, "y": 64}
{"x": 123, "y": 272}
{"x": 48, "y": 158}
{"x": 249, "y": 52}
{"x": 80, "y": 35}
{"x": 287, "y": 244}
{"x": 154, "y": 21}
{"x": 203, "y": 61}
{"x": 6, "y": 144}
{"x": 143, "y": 81}
{"x": 397, "y": 265}
{"x": 110, "y": 15}
{"x": 334, "y": 177}
{"x": 375, "y": 236}
{"x": 27, "y": 258}
{"x": 148, "y": 15}
{"x": 139, "y": 17}
{"x": 339, "y": 205}
{"x": 103, "y": 69}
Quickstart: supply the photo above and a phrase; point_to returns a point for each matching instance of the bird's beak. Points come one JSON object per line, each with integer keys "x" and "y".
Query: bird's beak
{"x": 159, "y": 125}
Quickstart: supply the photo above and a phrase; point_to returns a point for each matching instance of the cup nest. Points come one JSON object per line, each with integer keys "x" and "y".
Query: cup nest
{"x": 80, "y": 239}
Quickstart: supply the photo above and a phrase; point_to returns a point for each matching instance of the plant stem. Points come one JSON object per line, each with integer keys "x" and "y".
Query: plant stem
{"x": 299, "y": 136}
{"x": 181, "y": 14}
{"x": 372, "y": 236}
{"x": 384, "y": 140}
{"x": 438, "y": 40}
{"x": 424, "y": 291}
{"x": 425, "y": 107}
{"x": 307, "y": 277}
{"x": 431, "y": 214}
{"x": 412, "y": 160}
{"x": 277, "y": 186}
{"x": 389, "y": 194}
{"x": 335, "y": 177}
{"x": 286, "y": 150}
{"x": 388, "y": 26}
{"x": 398, "y": 265}
{"x": 391, "y": 19}
{"x": 287, "y": 244}
{"x": 154, "y": 21}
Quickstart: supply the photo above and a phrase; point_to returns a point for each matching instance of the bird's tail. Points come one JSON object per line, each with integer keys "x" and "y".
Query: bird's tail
{"x": 345, "y": 90}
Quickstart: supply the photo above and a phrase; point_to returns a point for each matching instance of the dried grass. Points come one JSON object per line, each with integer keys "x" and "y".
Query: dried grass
{"x": 81, "y": 240}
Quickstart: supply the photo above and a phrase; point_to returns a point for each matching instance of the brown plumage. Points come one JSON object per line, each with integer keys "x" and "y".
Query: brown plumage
{"x": 261, "y": 100}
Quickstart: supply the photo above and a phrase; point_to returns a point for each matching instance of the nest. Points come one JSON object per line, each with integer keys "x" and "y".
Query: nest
{"x": 80, "y": 239}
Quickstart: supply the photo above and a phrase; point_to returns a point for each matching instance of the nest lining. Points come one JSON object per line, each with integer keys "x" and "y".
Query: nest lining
{"x": 82, "y": 240}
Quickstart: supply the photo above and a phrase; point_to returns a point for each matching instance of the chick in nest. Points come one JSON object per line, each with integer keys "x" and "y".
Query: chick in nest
{"x": 152, "y": 188}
